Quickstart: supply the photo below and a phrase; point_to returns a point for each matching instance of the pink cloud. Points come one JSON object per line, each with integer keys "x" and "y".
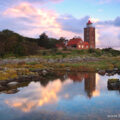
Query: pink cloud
{"x": 37, "y": 20}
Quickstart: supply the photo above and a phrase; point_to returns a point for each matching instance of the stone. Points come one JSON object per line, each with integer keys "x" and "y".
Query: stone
{"x": 44, "y": 72}
{"x": 12, "y": 84}
{"x": 114, "y": 84}
{"x": 13, "y": 91}
{"x": 116, "y": 69}
{"x": 101, "y": 72}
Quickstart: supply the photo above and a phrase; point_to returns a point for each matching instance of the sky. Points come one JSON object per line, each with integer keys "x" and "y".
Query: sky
{"x": 63, "y": 18}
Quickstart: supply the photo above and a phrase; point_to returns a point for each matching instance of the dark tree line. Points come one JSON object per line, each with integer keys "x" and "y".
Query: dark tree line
{"x": 15, "y": 44}
{"x": 49, "y": 43}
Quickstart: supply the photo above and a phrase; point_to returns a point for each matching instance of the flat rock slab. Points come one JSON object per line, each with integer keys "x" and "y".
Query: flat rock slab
{"x": 13, "y": 91}
{"x": 12, "y": 84}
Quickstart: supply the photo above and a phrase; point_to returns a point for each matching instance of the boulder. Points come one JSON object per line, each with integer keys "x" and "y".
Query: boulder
{"x": 44, "y": 72}
{"x": 115, "y": 69}
{"x": 12, "y": 84}
{"x": 113, "y": 84}
{"x": 13, "y": 91}
{"x": 101, "y": 72}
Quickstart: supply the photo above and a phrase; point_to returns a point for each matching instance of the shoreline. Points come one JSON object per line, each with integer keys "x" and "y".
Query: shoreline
{"x": 12, "y": 69}
{"x": 46, "y": 74}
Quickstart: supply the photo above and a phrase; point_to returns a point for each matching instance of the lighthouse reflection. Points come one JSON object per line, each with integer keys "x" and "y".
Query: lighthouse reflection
{"x": 89, "y": 80}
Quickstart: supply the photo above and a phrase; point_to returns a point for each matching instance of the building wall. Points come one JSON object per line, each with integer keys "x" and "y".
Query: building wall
{"x": 82, "y": 46}
{"x": 89, "y": 36}
{"x": 79, "y": 46}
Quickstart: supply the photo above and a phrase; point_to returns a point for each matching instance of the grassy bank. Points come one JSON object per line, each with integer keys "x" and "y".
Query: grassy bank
{"x": 107, "y": 59}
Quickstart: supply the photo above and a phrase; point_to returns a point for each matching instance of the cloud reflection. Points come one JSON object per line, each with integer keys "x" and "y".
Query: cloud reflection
{"x": 38, "y": 97}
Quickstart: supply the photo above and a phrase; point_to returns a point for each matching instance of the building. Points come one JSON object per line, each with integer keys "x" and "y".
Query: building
{"x": 77, "y": 43}
{"x": 89, "y": 35}
{"x": 89, "y": 39}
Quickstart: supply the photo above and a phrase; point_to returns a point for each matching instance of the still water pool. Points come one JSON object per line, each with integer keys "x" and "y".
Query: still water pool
{"x": 77, "y": 96}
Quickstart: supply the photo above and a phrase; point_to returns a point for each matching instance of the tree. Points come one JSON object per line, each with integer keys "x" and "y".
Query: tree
{"x": 63, "y": 40}
{"x": 43, "y": 41}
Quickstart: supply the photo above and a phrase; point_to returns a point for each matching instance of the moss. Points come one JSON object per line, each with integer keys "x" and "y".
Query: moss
{"x": 113, "y": 80}
{"x": 9, "y": 74}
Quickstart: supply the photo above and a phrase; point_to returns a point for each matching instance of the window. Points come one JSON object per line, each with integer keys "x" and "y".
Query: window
{"x": 79, "y": 46}
{"x": 74, "y": 46}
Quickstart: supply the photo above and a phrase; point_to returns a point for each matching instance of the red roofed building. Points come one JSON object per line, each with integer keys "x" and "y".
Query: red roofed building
{"x": 77, "y": 43}
{"x": 89, "y": 39}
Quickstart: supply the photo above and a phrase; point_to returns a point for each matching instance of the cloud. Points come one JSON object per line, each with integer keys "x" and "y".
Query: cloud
{"x": 115, "y": 22}
{"x": 70, "y": 23}
{"x": 108, "y": 36}
{"x": 39, "y": 96}
{"x": 32, "y": 17}
{"x": 43, "y": 0}
{"x": 33, "y": 1}
{"x": 104, "y": 1}
{"x": 37, "y": 20}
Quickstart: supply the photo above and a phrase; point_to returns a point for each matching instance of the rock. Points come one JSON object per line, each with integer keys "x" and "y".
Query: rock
{"x": 44, "y": 72}
{"x": 115, "y": 69}
{"x": 13, "y": 91}
{"x": 1, "y": 87}
{"x": 114, "y": 84}
{"x": 118, "y": 72}
{"x": 111, "y": 73}
{"x": 101, "y": 72}
{"x": 12, "y": 84}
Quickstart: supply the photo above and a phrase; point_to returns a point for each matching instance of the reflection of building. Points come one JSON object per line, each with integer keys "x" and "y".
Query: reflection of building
{"x": 89, "y": 81}
{"x": 76, "y": 77}
{"x": 90, "y": 84}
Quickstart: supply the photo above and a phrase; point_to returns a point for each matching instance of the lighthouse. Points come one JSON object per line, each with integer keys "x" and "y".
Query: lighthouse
{"x": 89, "y": 34}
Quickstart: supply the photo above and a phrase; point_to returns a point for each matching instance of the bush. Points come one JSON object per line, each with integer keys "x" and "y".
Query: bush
{"x": 111, "y": 51}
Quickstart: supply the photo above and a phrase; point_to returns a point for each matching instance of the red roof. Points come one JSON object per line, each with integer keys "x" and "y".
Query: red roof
{"x": 74, "y": 41}
{"x": 89, "y": 22}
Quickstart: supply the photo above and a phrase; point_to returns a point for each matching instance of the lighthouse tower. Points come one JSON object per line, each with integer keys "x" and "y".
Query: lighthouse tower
{"x": 89, "y": 34}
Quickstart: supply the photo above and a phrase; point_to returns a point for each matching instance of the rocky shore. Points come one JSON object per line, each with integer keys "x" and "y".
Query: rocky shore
{"x": 50, "y": 60}
{"x": 109, "y": 72}
{"x": 41, "y": 76}
{"x": 14, "y": 71}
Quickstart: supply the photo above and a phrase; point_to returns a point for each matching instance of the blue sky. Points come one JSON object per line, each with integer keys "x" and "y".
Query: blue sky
{"x": 80, "y": 8}
{"x": 65, "y": 18}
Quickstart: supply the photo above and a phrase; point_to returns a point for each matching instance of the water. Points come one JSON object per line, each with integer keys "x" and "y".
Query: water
{"x": 77, "y": 96}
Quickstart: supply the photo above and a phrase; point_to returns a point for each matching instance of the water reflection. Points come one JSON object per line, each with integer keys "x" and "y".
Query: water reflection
{"x": 68, "y": 96}
{"x": 90, "y": 84}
